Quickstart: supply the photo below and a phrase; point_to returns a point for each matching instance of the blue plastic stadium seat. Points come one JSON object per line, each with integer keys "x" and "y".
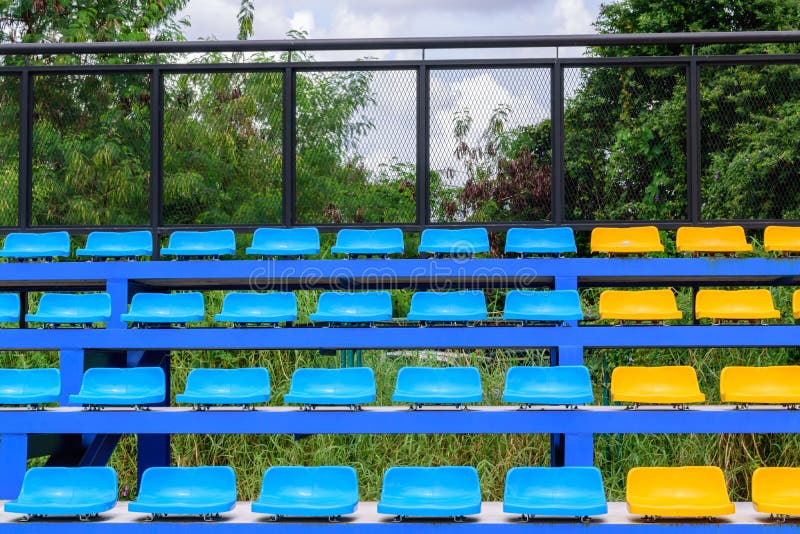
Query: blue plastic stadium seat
{"x": 29, "y": 386}
{"x": 9, "y": 307}
{"x": 107, "y": 386}
{"x": 33, "y": 246}
{"x": 340, "y": 307}
{"x": 117, "y": 244}
{"x": 381, "y": 242}
{"x": 308, "y": 492}
{"x": 72, "y": 308}
{"x": 558, "y": 305}
{"x": 81, "y": 491}
{"x": 165, "y": 308}
{"x": 444, "y": 385}
{"x": 204, "y": 491}
{"x": 567, "y": 384}
{"x": 555, "y": 491}
{"x": 226, "y": 386}
{"x": 430, "y": 492}
{"x": 332, "y": 387}
{"x": 208, "y": 244}
{"x": 284, "y": 242}
{"x": 524, "y": 241}
{"x": 463, "y": 242}
{"x": 246, "y": 308}
{"x": 467, "y": 305}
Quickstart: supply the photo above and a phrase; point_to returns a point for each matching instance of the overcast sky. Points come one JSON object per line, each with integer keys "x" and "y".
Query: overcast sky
{"x": 393, "y": 136}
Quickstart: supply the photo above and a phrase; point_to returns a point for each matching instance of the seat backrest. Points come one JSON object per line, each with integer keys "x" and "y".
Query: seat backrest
{"x": 63, "y": 485}
{"x": 540, "y": 240}
{"x": 714, "y": 303}
{"x": 666, "y": 379}
{"x": 707, "y": 238}
{"x": 231, "y": 380}
{"x": 470, "y": 302}
{"x": 539, "y": 305}
{"x": 9, "y": 306}
{"x": 47, "y": 241}
{"x": 455, "y": 242}
{"x": 775, "y": 379}
{"x": 431, "y": 483}
{"x": 555, "y": 483}
{"x": 23, "y": 381}
{"x": 188, "y": 483}
{"x": 75, "y": 304}
{"x": 274, "y": 303}
{"x": 665, "y": 485}
{"x": 120, "y": 380}
{"x": 782, "y": 238}
{"x": 312, "y": 379}
{"x": 202, "y": 240}
{"x": 635, "y": 239}
{"x": 648, "y": 303}
{"x": 318, "y": 482}
{"x": 438, "y": 379}
{"x": 776, "y": 481}
{"x": 168, "y": 303}
{"x": 364, "y": 302}
{"x": 133, "y": 243}
{"x": 562, "y": 377}
{"x": 287, "y": 239}
{"x": 378, "y": 241}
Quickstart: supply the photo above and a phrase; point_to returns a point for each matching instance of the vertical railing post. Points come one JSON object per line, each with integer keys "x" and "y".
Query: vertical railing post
{"x": 156, "y": 155}
{"x": 557, "y": 212}
{"x": 25, "y": 169}
{"x": 693, "y": 162}
{"x": 289, "y": 147}
{"x": 423, "y": 146}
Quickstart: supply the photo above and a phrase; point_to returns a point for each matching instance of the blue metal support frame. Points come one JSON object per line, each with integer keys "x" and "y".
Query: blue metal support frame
{"x": 13, "y": 463}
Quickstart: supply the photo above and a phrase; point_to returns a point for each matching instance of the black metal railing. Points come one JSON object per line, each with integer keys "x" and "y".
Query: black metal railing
{"x": 131, "y": 141}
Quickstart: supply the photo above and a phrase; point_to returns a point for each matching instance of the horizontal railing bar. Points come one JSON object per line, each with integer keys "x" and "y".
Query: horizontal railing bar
{"x": 533, "y": 41}
{"x": 400, "y": 420}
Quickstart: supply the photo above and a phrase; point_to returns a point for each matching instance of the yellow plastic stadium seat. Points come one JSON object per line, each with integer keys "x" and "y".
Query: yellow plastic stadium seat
{"x": 782, "y": 238}
{"x": 634, "y": 240}
{"x": 776, "y": 490}
{"x": 796, "y": 304}
{"x": 738, "y": 304}
{"x": 778, "y": 384}
{"x": 656, "y": 385}
{"x": 649, "y": 305}
{"x": 696, "y": 491}
{"x": 712, "y": 239}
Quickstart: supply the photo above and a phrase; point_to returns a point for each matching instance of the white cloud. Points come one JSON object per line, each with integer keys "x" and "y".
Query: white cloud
{"x": 571, "y": 17}
{"x": 303, "y": 21}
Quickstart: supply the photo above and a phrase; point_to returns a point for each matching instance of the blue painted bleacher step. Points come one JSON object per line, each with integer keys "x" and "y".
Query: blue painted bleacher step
{"x": 204, "y": 491}
{"x": 165, "y": 308}
{"x": 30, "y": 387}
{"x": 352, "y": 386}
{"x": 556, "y": 306}
{"x": 117, "y": 245}
{"x": 463, "y": 242}
{"x": 381, "y": 242}
{"x": 9, "y": 308}
{"x": 430, "y": 492}
{"x": 445, "y": 385}
{"x": 525, "y": 241}
{"x": 35, "y": 246}
{"x": 244, "y": 308}
{"x": 72, "y": 308}
{"x": 208, "y": 244}
{"x": 569, "y": 385}
{"x": 364, "y": 307}
{"x": 308, "y": 492}
{"x": 81, "y": 491}
{"x": 432, "y": 306}
{"x": 136, "y": 386}
{"x": 283, "y": 242}
{"x": 555, "y": 491}
{"x": 244, "y": 387}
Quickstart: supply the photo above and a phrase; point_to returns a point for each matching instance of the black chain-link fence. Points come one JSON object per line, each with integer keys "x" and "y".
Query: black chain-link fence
{"x": 750, "y": 142}
{"x": 490, "y": 145}
{"x": 9, "y": 149}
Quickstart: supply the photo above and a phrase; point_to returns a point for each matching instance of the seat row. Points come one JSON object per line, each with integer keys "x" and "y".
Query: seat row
{"x": 527, "y": 386}
{"x": 451, "y": 491}
{"x": 558, "y": 306}
{"x": 299, "y": 242}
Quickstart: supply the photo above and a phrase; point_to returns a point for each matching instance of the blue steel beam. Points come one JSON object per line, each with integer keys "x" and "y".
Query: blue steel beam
{"x": 408, "y": 337}
{"x": 400, "y": 420}
{"x": 344, "y": 274}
